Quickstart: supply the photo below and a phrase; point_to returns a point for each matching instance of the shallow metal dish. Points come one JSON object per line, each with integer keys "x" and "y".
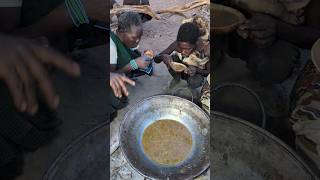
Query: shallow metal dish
{"x": 227, "y": 28}
{"x": 155, "y": 108}
{"x": 241, "y": 150}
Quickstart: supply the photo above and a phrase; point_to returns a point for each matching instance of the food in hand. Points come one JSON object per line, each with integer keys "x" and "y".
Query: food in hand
{"x": 149, "y": 54}
{"x": 178, "y": 67}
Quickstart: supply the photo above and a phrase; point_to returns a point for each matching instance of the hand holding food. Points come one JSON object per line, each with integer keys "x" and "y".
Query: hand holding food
{"x": 178, "y": 67}
{"x": 191, "y": 70}
{"x": 149, "y": 54}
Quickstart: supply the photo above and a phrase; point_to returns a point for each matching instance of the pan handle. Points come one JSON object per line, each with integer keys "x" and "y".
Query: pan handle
{"x": 179, "y": 89}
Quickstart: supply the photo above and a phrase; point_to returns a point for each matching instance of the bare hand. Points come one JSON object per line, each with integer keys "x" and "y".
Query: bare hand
{"x": 22, "y": 69}
{"x": 262, "y": 30}
{"x": 118, "y": 84}
{"x": 191, "y": 70}
{"x": 142, "y": 64}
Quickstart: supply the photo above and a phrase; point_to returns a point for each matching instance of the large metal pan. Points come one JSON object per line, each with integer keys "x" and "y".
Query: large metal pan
{"x": 155, "y": 108}
{"x": 83, "y": 159}
{"x": 241, "y": 150}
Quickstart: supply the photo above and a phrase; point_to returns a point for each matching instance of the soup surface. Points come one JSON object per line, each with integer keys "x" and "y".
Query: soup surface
{"x": 167, "y": 142}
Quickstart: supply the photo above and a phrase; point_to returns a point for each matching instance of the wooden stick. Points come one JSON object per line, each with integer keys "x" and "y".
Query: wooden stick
{"x": 184, "y": 8}
{"x": 135, "y": 8}
{"x": 147, "y": 9}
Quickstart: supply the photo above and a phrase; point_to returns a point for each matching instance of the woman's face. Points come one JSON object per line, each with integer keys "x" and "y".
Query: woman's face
{"x": 185, "y": 48}
{"x": 132, "y": 39}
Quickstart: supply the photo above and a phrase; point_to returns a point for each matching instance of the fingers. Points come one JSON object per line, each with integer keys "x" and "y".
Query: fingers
{"x": 9, "y": 76}
{"x": 122, "y": 81}
{"x": 168, "y": 61}
{"x": 114, "y": 87}
{"x": 55, "y": 59}
{"x": 41, "y": 77}
{"x": 118, "y": 84}
{"x": 29, "y": 91}
{"x": 123, "y": 88}
{"x": 117, "y": 87}
{"x": 127, "y": 80}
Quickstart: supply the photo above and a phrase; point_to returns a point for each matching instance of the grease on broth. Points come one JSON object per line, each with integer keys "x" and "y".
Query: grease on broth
{"x": 167, "y": 142}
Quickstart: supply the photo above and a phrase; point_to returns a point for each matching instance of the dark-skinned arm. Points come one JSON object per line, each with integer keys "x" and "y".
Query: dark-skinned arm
{"x": 204, "y": 72}
{"x": 127, "y": 68}
{"x": 169, "y": 50}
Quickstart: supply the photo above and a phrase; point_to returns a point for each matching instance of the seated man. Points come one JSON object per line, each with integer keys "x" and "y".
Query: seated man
{"x": 187, "y": 50}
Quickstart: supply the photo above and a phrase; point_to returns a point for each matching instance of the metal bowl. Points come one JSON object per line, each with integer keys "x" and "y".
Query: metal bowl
{"x": 217, "y": 10}
{"x": 155, "y": 108}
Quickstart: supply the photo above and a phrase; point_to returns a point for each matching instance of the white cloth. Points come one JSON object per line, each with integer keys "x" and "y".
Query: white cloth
{"x": 113, "y": 52}
{"x": 10, "y": 3}
{"x": 309, "y": 129}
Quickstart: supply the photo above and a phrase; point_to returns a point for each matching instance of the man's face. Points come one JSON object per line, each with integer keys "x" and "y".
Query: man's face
{"x": 132, "y": 39}
{"x": 185, "y": 48}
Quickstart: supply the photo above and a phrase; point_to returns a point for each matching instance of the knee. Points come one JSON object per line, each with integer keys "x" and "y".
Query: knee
{"x": 195, "y": 81}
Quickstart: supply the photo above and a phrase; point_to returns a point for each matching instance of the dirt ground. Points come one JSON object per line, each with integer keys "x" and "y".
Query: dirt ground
{"x": 157, "y": 35}
{"x": 82, "y": 105}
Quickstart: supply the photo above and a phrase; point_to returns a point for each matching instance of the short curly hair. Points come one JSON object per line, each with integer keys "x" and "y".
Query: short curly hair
{"x": 188, "y": 32}
{"x": 128, "y": 19}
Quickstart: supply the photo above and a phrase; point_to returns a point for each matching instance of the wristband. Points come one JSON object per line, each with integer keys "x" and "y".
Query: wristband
{"x": 133, "y": 64}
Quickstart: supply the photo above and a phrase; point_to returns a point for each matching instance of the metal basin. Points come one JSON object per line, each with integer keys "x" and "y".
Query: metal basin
{"x": 83, "y": 159}
{"x": 241, "y": 150}
{"x": 155, "y": 108}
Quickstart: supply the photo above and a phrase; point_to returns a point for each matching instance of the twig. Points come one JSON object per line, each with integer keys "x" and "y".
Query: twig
{"x": 187, "y": 7}
{"x": 135, "y": 8}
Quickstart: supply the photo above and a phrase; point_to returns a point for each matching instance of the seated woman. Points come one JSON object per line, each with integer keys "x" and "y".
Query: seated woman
{"x": 191, "y": 51}
{"x": 124, "y": 55}
{"x": 124, "y": 43}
